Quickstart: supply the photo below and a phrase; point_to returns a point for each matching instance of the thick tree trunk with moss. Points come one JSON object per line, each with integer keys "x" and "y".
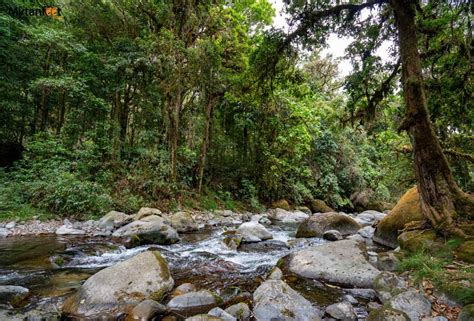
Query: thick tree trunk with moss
{"x": 443, "y": 203}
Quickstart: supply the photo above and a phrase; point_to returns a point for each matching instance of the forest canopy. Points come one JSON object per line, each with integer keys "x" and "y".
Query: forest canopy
{"x": 204, "y": 104}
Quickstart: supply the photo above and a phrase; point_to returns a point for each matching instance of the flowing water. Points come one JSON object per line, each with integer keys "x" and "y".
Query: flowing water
{"x": 53, "y": 267}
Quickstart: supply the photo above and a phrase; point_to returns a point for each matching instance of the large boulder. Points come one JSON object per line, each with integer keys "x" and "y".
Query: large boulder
{"x": 319, "y": 206}
{"x": 116, "y": 289}
{"x": 12, "y": 294}
{"x": 413, "y": 303}
{"x": 316, "y": 225}
{"x": 149, "y": 230}
{"x": 285, "y": 216}
{"x": 194, "y": 302}
{"x": 276, "y": 300}
{"x": 114, "y": 219}
{"x": 182, "y": 222}
{"x": 341, "y": 262}
{"x": 407, "y": 210}
{"x": 253, "y": 232}
{"x": 283, "y": 204}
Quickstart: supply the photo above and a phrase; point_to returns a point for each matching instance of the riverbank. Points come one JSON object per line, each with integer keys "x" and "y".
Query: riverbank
{"x": 325, "y": 265}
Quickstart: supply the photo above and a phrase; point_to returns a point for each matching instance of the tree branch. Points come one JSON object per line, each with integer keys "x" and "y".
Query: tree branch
{"x": 315, "y": 16}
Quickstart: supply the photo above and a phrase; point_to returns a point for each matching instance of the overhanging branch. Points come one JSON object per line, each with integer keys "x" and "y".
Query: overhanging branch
{"x": 311, "y": 18}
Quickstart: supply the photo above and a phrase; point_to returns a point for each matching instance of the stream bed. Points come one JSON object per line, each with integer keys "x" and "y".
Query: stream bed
{"x": 53, "y": 267}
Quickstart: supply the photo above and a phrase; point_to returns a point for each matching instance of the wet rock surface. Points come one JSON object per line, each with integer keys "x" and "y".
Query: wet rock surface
{"x": 317, "y": 224}
{"x": 275, "y": 300}
{"x": 341, "y": 262}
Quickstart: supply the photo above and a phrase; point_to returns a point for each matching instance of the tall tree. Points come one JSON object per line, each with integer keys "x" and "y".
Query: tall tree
{"x": 443, "y": 202}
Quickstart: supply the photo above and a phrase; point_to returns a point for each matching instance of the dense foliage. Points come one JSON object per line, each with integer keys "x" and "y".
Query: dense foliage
{"x": 122, "y": 104}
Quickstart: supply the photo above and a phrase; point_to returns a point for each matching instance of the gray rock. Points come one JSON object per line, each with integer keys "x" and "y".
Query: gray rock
{"x": 253, "y": 232}
{"x": 349, "y": 298}
{"x": 114, "y": 219}
{"x": 387, "y": 285}
{"x": 4, "y": 232}
{"x": 146, "y": 211}
{"x": 332, "y": 235}
{"x": 10, "y": 225}
{"x": 145, "y": 275}
{"x": 388, "y": 261}
{"x": 147, "y": 309}
{"x": 316, "y": 225}
{"x": 275, "y": 274}
{"x": 285, "y": 216}
{"x": 218, "y": 312}
{"x": 373, "y": 306}
{"x": 263, "y": 246}
{"x": 275, "y": 300}
{"x": 414, "y": 304}
{"x": 12, "y": 294}
{"x": 150, "y": 230}
{"x": 194, "y": 302}
{"x": 369, "y": 217}
{"x": 65, "y": 230}
{"x": 342, "y": 262}
{"x": 182, "y": 222}
{"x": 367, "y": 232}
{"x": 368, "y": 294}
{"x": 203, "y": 317}
{"x": 240, "y": 310}
{"x": 437, "y": 318}
{"x": 342, "y": 311}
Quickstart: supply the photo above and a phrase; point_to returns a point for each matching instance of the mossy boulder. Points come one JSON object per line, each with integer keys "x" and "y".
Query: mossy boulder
{"x": 281, "y": 204}
{"x": 385, "y": 314}
{"x": 319, "y": 206}
{"x": 316, "y": 225}
{"x": 117, "y": 288}
{"x": 465, "y": 252}
{"x": 416, "y": 240}
{"x": 407, "y": 210}
{"x": 467, "y": 313}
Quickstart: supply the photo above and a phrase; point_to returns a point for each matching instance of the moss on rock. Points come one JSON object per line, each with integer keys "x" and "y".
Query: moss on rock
{"x": 281, "y": 204}
{"x": 319, "y": 206}
{"x": 407, "y": 210}
{"x": 465, "y": 252}
{"x": 417, "y": 240}
{"x": 467, "y": 313}
{"x": 386, "y": 313}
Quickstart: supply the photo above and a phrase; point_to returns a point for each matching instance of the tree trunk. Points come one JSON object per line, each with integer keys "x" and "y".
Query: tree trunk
{"x": 174, "y": 108}
{"x": 206, "y": 139}
{"x": 62, "y": 112}
{"x": 442, "y": 201}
